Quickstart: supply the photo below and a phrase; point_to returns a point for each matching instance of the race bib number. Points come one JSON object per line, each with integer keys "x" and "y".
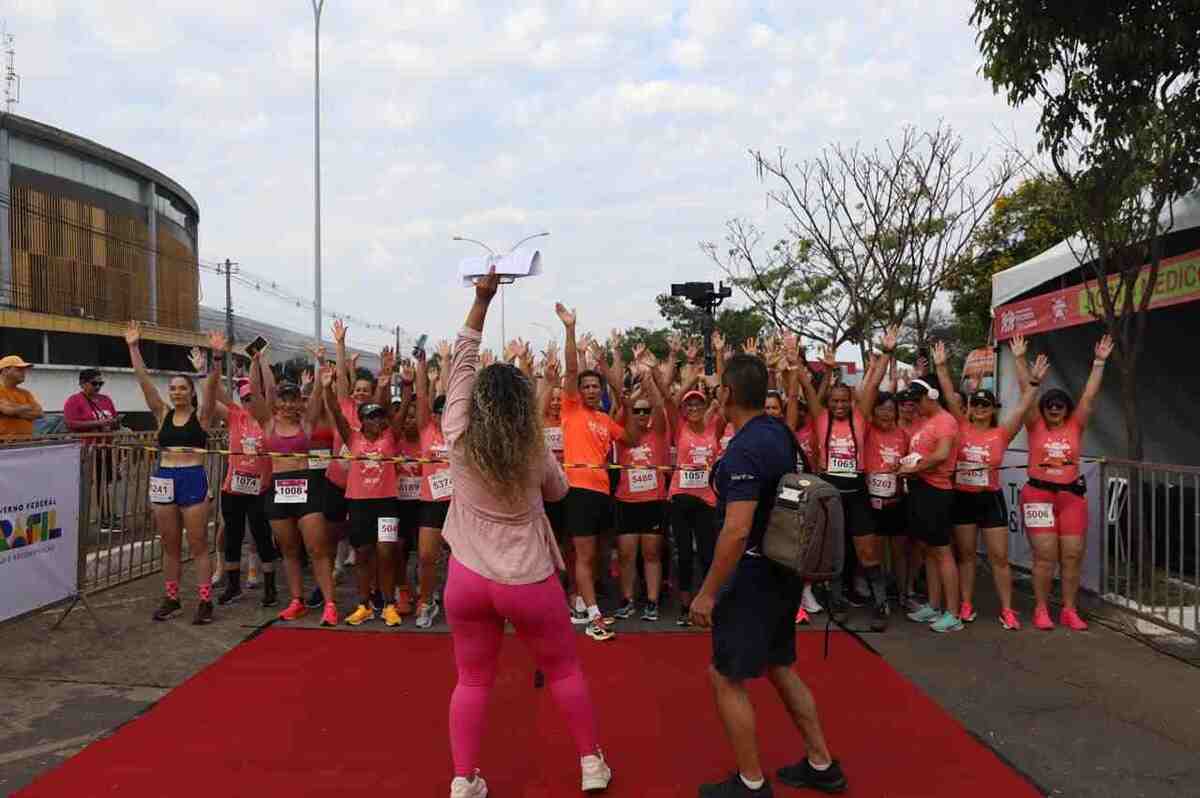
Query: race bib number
{"x": 246, "y": 484}
{"x": 693, "y": 478}
{"x": 881, "y": 486}
{"x": 162, "y": 490}
{"x": 316, "y": 463}
{"x": 846, "y": 466}
{"x": 408, "y": 489}
{"x": 973, "y": 477}
{"x": 910, "y": 459}
{"x": 1039, "y": 515}
{"x": 389, "y": 530}
{"x": 554, "y": 439}
{"x": 291, "y": 491}
{"x": 642, "y": 480}
{"x": 441, "y": 485}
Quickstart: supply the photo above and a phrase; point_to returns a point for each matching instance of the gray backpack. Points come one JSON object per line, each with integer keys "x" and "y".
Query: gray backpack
{"x": 805, "y": 531}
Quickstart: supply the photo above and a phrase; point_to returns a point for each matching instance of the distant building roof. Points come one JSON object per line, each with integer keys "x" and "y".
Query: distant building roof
{"x": 285, "y": 344}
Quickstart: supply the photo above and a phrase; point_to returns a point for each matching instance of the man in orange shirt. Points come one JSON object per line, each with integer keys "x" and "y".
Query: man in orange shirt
{"x": 18, "y": 408}
{"x": 588, "y": 435}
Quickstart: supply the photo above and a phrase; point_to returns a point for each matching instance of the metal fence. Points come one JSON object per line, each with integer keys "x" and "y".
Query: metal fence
{"x": 117, "y": 538}
{"x": 1151, "y": 547}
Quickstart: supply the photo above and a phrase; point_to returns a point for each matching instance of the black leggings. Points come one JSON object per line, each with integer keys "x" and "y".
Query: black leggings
{"x": 693, "y": 524}
{"x": 237, "y": 508}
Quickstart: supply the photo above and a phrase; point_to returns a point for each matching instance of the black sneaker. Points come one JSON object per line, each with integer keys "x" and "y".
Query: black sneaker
{"x": 879, "y": 621}
{"x": 856, "y": 599}
{"x": 204, "y": 613}
{"x": 169, "y": 607}
{"x": 685, "y": 617}
{"x": 803, "y": 774}
{"x": 317, "y": 599}
{"x": 625, "y": 611}
{"x": 231, "y": 593}
{"x": 270, "y": 595}
{"x": 377, "y": 601}
{"x": 650, "y": 611}
{"x": 734, "y": 787}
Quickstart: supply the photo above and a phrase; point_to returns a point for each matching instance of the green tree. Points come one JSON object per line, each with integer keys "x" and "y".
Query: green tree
{"x": 1119, "y": 89}
{"x": 1024, "y": 222}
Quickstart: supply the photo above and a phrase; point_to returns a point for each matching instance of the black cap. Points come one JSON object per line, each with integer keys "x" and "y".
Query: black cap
{"x": 368, "y": 409}
{"x": 286, "y": 387}
{"x": 984, "y": 396}
{"x": 439, "y": 404}
{"x": 87, "y": 375}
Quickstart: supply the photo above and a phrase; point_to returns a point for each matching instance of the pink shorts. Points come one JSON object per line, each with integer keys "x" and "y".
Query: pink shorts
{"x": 1051, "y": 512}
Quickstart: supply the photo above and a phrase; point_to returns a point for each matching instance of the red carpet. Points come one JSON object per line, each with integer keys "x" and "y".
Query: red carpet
{"x": 335, "y": 714}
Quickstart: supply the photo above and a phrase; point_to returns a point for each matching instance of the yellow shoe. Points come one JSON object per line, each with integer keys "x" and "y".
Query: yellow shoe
{"x": 360, "y": 615}
{"x": 391, "y": 615}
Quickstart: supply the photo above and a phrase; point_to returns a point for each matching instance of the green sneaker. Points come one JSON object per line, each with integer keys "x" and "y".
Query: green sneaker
{"x": 925, "y": 614}
{"x": 947, "y": 623}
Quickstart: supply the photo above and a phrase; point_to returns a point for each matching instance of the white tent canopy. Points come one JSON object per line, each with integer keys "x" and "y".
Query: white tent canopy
{"x": 1060, "y": 259}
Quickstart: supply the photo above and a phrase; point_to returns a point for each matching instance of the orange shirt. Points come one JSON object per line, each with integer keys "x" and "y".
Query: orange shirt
{"x": 1054, "y": 453}
{"x": 16, "y": 426}
{"x": 587, "y": 439}
{"x": 927, "y": 434}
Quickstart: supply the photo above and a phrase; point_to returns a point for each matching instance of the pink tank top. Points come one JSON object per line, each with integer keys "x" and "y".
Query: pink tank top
{"x": 1054, "y": 453}
{"x": 696, "y": 452}
{"x": 368, "y": 479}
{"x": 641, "y": 480}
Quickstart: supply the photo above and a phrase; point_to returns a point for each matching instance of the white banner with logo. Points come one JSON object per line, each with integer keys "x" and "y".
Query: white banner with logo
{"x": 1013, "y": 477}
{"x": 39, "y": 527}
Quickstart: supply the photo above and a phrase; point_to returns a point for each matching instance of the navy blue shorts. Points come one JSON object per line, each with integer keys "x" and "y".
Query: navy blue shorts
{"x": 189, "y": 485}
{"x": 754, "y": 622}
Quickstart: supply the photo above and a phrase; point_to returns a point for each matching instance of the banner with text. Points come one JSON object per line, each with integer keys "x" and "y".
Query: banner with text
{"x": 1178, "y": 281}
{"x": 39, "y": 527}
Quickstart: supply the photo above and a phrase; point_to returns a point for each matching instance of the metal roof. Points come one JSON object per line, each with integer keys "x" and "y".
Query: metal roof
{"x": 285, "y": 344}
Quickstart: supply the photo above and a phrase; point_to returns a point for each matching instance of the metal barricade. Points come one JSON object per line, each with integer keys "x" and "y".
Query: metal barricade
{"x": 1151, "y": 545}
{"x": 117, "y": 539}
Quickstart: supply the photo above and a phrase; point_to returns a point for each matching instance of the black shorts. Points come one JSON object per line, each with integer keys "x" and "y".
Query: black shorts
{"x": 930, "y": 513}
{"x": 639, "y": 518}
{"x": 432, "y": 515}
{"x": 335, "y": 507}
{"x": 410, "y": 521}
{"x": 364, "y": 519}
{"x": 312, "y": 487}
{"x": 891, "y": 520}
{"x": 986, "y": 510}
{"x": 589, "y": 512}
{"x": 557, "y": 513}
{"x": 855, "y": 507}
{"x": 754, "y": 622}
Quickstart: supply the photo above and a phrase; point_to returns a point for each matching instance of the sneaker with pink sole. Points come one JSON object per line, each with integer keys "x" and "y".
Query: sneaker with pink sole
{"x": 1041, "y": 619}
{"x": 294, "y": 610}
{"x": 1009, "y": 620}
{"x": 802, "y": 617}
{"x": 1070, "y": 619}
{"x": 966, "y": 612}
{"x": 329, "y": 617}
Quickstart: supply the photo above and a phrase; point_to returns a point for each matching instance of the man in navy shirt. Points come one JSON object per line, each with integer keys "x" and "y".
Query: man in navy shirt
{"x": 749, "y": 601}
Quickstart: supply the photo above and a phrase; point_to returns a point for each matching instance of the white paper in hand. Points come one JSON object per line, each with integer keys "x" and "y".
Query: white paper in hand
{"x": 518, "y": 263}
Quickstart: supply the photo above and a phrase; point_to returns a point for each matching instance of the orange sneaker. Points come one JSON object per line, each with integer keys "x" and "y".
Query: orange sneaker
{"x": 1070, "y": 619}
{"x": 1041, "y": 619}
{"x": 802, "y": 617}
{"x": 294, "y": 610}
{"x": 404, "y": 602}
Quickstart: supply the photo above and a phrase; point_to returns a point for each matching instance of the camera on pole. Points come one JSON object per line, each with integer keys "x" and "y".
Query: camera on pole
{"x": 703, "y": 296}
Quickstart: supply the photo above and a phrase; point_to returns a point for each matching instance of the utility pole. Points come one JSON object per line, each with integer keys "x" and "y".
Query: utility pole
{"x": 318, "y": 6}
{"x": 228, "y": 267}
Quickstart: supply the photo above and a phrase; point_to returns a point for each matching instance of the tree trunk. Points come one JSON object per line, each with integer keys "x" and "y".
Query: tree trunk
{"x": 1133, "y": 431}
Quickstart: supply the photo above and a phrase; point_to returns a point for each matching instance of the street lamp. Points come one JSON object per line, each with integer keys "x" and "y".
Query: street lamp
{"x": 503, "y": 282}
{"x": 318, "y": 6}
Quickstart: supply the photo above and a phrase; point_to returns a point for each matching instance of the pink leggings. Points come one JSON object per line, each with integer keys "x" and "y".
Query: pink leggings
{"x": 476, "y": 609}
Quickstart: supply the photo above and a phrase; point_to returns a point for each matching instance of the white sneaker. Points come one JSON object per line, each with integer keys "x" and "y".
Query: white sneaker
{"x": 468, "y": 788}
{"x": 596, "y": 772}
{"x": 809, "y": 602}
{"x": 579, "y": 605}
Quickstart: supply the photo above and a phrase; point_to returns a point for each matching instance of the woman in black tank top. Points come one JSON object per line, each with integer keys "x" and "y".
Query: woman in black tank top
{"x": 179, "y": 497}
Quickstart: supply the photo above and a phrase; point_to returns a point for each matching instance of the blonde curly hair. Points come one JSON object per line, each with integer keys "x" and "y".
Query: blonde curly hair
{"x": 503, "y": 440}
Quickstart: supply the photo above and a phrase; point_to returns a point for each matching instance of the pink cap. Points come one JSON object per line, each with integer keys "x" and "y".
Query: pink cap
{"x": 693, "y": 393}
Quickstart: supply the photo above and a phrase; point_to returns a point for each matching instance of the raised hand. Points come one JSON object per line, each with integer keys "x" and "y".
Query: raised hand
{"x": 306, "y": 375}
{"x": 354, "y": 363}
{"x": 890, "y": 337}
{"x": 326, "y": 376}
{"x": 615, "y": 339}
{"x": 486, "y": 286}
{"x": 486, "y": 358}
{"x": 922, "y": 367}
{"x": 674, "y": 344}
{"x": 791, "y": 349}
{"x": 197, "y": 359}
{"x": 552, "y": 370}
{"x": 1018, "y": 345}
{"x": 829, "y": 356}
{"x": 217, "y": 342}
{"x": 1104, "y": 347}
{"x": 133, "y": 333}
{"x": 407, "y": 372}
{"x": 387, "y": 361}
{"x": 443, "y": 351}
{"x": 339, "y": 331}
{"x": 567, "y": 317}
{"x": 1040, "y": 366}
{"x": 939, "y": 354}
{"x": 750, "y": 346}
{"x": 692, "y": 353}
{"x": 512, "y": 351}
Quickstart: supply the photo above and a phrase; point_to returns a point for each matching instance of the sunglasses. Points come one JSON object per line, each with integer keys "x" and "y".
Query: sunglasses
{"x": 97, "y": 383}
{"x": 641, "y": 411}
{"x": 1056, "y": 406}
{"x": 983, "y": 403}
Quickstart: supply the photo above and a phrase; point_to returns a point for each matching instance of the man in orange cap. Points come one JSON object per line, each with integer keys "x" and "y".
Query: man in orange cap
{"x": 18, "y": 408}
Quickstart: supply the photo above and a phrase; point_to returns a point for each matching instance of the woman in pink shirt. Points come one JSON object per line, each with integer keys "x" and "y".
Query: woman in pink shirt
{"x": 979, "y": 505}
{"x": 504, "y": 558}
{"x": 1053, "y": 502}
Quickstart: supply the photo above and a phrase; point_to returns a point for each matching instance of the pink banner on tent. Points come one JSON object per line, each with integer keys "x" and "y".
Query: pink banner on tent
{"x": 1178, "y": 282}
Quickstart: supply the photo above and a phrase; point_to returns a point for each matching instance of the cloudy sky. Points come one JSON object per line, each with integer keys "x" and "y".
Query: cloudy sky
{"x": 622, "y": 127}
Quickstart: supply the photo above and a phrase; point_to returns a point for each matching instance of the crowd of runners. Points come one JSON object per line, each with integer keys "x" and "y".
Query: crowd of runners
{"x": 917, "y": 466}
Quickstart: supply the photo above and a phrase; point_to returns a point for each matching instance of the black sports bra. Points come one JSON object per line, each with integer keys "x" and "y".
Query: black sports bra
{"x": 190, "y": 434}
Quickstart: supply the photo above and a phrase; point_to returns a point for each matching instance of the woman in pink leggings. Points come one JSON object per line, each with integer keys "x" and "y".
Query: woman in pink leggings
{"x": 505, "y": 560}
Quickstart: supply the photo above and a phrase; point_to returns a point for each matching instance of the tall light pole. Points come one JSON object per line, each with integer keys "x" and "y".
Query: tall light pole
{"x": 318, "y": 6}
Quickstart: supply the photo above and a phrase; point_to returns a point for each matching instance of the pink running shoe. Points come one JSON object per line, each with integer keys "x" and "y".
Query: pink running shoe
{"x": 294, "y": 610}
{"x": 1070, "y": 619}
{"x": 1009, "y": 620}
{"x": 966, "y": 612}
{"x": 1041, "y": 619}
{"x": 801, "y": 617}
{"x": 329, "y": 617}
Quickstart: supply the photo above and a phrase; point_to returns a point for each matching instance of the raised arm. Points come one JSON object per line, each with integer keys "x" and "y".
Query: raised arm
{"x": 1083, "y": 412}
{"x": 383, "y": 385}
{"x": 133, "y": 337}
{"x": 1029, "y": 396}
{"x": 260, "y": 408}
{"x": 570, "y": 351}
{"x": 333, "y": 405}
{"x": 616, "y": 372}
{"x": 211, "y": 399}
{"x": 464, "y": 365}
{"x": 316, "y": 403}
{"x": 1018, "y": 347}
{"x": 343, "y": 383}
{"x": 946, "y": 382}
{"x": 421, "y": 389}
{"x": 870, "y": 391}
